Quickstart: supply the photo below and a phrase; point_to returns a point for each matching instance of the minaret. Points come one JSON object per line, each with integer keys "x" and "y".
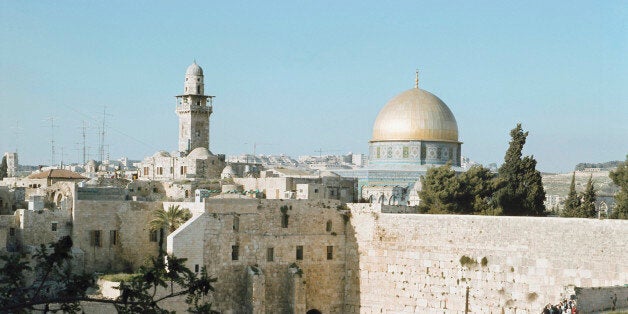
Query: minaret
{"x": 193, "y": 109}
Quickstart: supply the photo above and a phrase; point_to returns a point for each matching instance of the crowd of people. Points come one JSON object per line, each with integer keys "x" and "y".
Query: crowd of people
{"x": 563, "y": 307}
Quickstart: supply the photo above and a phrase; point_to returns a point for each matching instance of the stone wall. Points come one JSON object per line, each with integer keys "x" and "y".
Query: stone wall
{"x": 598, "y": 299}
{"x": 424, "y": 263}
{"x": 129, "y": 219}
{"x": 253, "y": 226}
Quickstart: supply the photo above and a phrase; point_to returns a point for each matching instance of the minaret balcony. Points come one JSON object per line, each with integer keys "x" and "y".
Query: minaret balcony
{"x": 187, "y": 107}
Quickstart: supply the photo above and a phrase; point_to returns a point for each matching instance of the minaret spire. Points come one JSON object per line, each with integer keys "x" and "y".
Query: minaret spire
{"x": 416, "y": 79}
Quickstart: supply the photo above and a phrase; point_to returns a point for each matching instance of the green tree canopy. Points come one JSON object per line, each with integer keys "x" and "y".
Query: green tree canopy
{"x": 58, "y": 289}
{"x": 3, "y": 168}
{"x": 169, "y": 219}
{"x": 444, "y": 192}
{"x": 572, "y": 203}
{"x": 587, "y": 207}
{"x": 521, "y": 192}
{"x": 620, "y": 178}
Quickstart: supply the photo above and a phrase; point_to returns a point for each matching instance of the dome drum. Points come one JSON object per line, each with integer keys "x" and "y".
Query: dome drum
{"x": 414, "y": 152}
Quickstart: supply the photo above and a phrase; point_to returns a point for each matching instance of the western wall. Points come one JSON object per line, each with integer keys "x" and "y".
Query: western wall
{"x": 411, "y": 263}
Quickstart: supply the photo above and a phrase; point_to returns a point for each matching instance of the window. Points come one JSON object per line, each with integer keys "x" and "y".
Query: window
{"x": 270, "y": 254}
{"x": 12, "y": 232}
{"x": 330, "y": 252}
{"x": 299, "y": 252}
{"x": 171, "y": 170}
{"x": 153, "y": 235}
{"x": 198, "y": 89}
{"x": 236, "y": 223}
{"x": 315, "y": 190}
{"x": 196, "y": 268}
{"x": 160, "y": 170}
{"x": 234, "y": 252}
{"x": 113, "y": 237}
{"x": 95, "y": 238}
{"x": 145, "y": 171}
{"x": 155, "y": 190}
{"x": 198, "y": 103}
{"x": 53, "y": 226}
{"x": 328, "y": 226}
{"x": 284, "y": 220}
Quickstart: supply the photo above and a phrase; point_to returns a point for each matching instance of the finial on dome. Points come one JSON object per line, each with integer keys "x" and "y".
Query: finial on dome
{"x": 416, "y": 79}
{"x": 194, "y": 60}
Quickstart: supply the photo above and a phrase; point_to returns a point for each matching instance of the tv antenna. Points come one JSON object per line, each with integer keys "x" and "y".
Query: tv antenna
{"x": 52, "y": 139}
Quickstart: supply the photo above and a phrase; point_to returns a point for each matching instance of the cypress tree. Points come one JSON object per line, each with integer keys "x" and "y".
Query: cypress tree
{"x": 587, "y": 208}
{"x": 3, "y": 168}
{"x": 572, "y": 203}
{"x": 620, "y": 178}
{"x": 522, "y": 193}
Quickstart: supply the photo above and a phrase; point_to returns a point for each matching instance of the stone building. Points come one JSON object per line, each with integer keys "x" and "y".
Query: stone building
{"x": 12, "y": 164}
{"x": 193, "y": 160}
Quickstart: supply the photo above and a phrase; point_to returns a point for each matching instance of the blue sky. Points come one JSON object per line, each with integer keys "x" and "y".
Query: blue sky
{"x": 298, "y": 76}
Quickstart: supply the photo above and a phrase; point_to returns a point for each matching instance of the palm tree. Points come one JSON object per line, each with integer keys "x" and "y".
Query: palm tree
{"x": 168, "y": 220}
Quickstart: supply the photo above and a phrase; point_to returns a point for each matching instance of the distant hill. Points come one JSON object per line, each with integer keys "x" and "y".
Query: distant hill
{"x": 602, "y": 165}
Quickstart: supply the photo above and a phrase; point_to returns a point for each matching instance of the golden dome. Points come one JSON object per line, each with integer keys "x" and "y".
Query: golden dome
{"x": 415, "y": 115}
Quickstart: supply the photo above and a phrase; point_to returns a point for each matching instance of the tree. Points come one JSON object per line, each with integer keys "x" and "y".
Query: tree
{"x": 620, "y": 178}
{"x": 168, "y": 220}
{"x": 444, "y": 192}
{"x": 481, "y": 185}
{"x": 57, "y": 288}
{"x": 521, "y": 192}
{"x": 439, "y": 191}
{"x": 572, "y": 203}
{"x": 587, "y": 207}
{"x": 3, "y": 168}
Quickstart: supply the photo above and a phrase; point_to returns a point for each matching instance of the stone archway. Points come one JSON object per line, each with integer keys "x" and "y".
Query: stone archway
{"x": 313, "y": 311}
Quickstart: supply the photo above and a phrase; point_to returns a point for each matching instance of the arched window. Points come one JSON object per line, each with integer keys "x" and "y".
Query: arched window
{"x": 328, "y": 226}
{"x": 313, "y": 311}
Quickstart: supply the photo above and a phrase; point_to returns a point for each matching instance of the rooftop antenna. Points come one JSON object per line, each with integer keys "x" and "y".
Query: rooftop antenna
{"x": 84, "y": 141}
{"x": 416, "y": 79}
{"x": 52, "y": 139}
{"x": 61, "y": 157}
{"x": 101, "y": 146}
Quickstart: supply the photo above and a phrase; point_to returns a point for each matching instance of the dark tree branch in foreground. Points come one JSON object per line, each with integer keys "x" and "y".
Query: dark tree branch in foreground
{"x": 56, "y": 285}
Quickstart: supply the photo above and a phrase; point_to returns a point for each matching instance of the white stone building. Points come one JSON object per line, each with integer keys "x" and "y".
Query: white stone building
{"x": 193, "y": 160}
